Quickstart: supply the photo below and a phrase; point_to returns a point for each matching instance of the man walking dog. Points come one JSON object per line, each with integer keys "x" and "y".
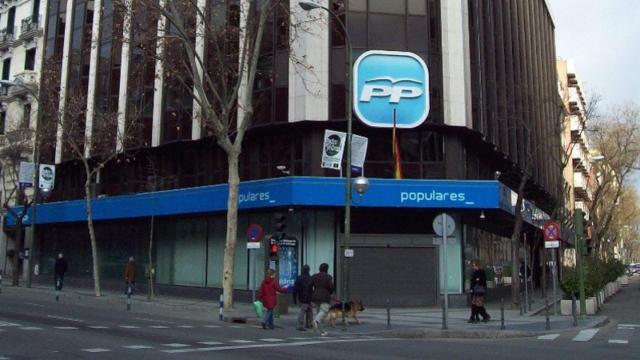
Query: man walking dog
{"x": 322, "y": 284}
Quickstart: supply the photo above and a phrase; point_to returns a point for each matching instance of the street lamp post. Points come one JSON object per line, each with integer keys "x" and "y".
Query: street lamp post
{"x": 308, "y": 6}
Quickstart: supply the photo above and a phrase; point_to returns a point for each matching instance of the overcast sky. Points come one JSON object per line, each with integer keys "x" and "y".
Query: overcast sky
{"x": 603, "y": 39}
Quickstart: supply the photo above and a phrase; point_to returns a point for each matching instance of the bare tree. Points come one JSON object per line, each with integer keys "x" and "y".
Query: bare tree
{"x": 215, "y": 60}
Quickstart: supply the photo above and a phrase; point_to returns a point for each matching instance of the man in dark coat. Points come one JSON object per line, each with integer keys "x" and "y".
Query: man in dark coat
{"x": 322, "y": 284}
{"x": 59, "y": 269}
{"x": 304, "y": 292}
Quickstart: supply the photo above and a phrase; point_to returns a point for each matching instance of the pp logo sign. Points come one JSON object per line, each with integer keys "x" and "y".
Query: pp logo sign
{"x": 388, "y": 80}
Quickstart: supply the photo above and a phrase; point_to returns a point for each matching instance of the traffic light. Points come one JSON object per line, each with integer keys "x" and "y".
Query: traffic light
{"x": 273, "y": 249}
{"x": 588, "y": 246}
{"x": 280, "y": 226}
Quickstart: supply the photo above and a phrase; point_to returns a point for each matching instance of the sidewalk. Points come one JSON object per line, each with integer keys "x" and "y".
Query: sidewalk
{"x": 422, "y": 322}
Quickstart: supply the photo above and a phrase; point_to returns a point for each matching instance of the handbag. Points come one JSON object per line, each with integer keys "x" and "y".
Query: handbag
{"x": 257, "y": 305}
{"x": 479, "y": 290}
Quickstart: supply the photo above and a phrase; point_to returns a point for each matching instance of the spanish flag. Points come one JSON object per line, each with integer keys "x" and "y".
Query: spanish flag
{"x": 397, "y": 161}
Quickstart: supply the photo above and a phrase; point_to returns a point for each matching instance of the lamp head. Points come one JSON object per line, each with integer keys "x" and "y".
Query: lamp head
{"x": 308, "y": 6}
{"x": 361, "y": 184}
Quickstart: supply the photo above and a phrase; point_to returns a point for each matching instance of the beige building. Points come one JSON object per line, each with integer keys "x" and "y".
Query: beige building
{"x": 578, "y": 172}
{"x": 21, "y": 43}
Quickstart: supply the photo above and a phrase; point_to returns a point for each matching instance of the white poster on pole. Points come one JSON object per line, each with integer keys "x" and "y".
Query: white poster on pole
{"x": 25, "y": 173}
{"x": 333, "y": 149}
{"x": 358, "y": 151}
{"x": 47, "y": 176}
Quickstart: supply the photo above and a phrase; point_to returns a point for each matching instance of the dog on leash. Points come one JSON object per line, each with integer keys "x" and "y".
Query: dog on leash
{"x": 351, "y": 310}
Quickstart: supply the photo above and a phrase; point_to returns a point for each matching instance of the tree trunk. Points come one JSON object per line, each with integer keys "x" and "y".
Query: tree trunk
{"x": 232, "y": 229}
{"x": 16, "y": 255}
{"x": 515, "y": 242}
{"x": 92, "y": 236}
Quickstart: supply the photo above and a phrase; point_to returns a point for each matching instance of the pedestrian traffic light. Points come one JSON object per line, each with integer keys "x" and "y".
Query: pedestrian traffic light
{"x": 273, "y": 249}
{"x": 588, "y": 246}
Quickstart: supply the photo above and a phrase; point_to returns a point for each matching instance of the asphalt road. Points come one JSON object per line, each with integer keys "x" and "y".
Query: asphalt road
{"x": 35, "y": 328}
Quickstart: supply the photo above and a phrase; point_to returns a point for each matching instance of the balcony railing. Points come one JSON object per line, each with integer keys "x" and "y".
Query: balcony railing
{"x": 6, "y": 39}
{"x": 29, "y": 29}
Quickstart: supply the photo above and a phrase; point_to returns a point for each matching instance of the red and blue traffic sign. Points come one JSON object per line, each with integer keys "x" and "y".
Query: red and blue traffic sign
{"x": 254, "y": 232}
{"x": 551, "y": 231}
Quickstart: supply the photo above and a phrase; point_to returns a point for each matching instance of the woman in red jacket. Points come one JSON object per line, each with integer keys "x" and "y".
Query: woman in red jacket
{"x": 267, "y": 295}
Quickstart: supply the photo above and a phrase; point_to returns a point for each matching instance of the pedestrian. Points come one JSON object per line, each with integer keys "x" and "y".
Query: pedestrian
{"x": 525, "y": 273}
{"x": 59, "y": 269}
{"x": 267, "y": 295}
{"x": 322, "y": 284}
{"x": 478, "y": 290}
{"x": 130, "y": 274}
{"x": 303, "y": 288}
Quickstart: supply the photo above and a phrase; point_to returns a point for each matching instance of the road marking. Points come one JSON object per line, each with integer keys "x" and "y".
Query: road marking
{"x": 4, "y": 323}
{"x": 33, "y": 304}
{"x": 64, "y": 318}
{"x": 154, "y": 320}
{"x": 271, "y": 340}
{"x": 242, "y": 341}
{"x": 176, "y": 345}
{"x": 96, "y": 350}
{"x": 98, "y": 327}
{"x": 236, "y": 326}
{"x": 212, "y": 326}
{"x": 30, "y": 328}
{"x": 185, "y": 326}
{"x": 129, "y": 326}
{"x": 548, "y": 337}
{"x": 298, "y": 338}
{"x": 65, "y": 327}
{"x": 158, "y": 327}
{"x": 210, "y": 343}
{"x": 626, "y": 327}
{"x": 137, "y": 347}
{"x": 629, "y": 325}
{"x": 253, "y": 346}
{"x": 615, "y": 341}
{"x": 585, "y": 335}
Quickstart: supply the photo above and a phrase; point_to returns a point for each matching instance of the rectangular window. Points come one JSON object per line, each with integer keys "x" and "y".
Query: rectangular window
{"x": 26, "y": 119}
{"x": 6, "y": 69}
{"x": 3, "y": 117}
{"x": 30, "y": 59}
{"x": 11, "y": 20}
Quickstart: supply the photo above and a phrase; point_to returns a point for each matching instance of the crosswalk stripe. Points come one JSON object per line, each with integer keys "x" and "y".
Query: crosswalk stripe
{"x": 548, "y": 337}
{"x": 30, "y": 328}
{"x": 585, "y": 335}
{"x": 129, "y": 327}
{"x": 137, "y": 347}
{"x": 96, "y": 350}
{"x": 4, "y": 323}
{"x": 210, "y": 343}
{"x": 616, "y": 341}
{"x": 65, "y": 327}
{"x": 158, "y": 327}
{"x": 271, "y": 340}
{"x": 98, "y": 327}
{"x": 242, "y": 341}
{"x": 185, "y": 326}
{"x": 212, "y": 326}
{"x": 176, "y": 345}
{"x": 630, "y": 325}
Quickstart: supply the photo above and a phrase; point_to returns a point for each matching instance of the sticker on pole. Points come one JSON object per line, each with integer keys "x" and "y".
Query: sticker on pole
{"x": 551, "y": 232}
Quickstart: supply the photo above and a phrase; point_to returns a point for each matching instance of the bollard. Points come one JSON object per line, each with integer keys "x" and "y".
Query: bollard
{"x": 58, "y": 289}
{"x": 0, "y": 283}
{"x": 501, "y": 313}
{"x": 388, "y": 314}
{"x": 546, "y": 314}
{"x": 574, "y": 313}
{"x": 344, "y": 317}
{"x": 129, "y": 291}
{"x": 220, "y": 311}
{"x": 520, "y": 304}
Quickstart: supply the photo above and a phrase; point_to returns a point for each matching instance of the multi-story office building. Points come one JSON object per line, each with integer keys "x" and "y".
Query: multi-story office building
{"x": 493, "y": 113}
{"x": 21, "y": 41}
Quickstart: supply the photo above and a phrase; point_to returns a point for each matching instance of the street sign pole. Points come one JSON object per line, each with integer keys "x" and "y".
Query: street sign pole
{"x": 555, "y": 282}
{"x": 444, "y": 262}
{"x": 552, "y": 242}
